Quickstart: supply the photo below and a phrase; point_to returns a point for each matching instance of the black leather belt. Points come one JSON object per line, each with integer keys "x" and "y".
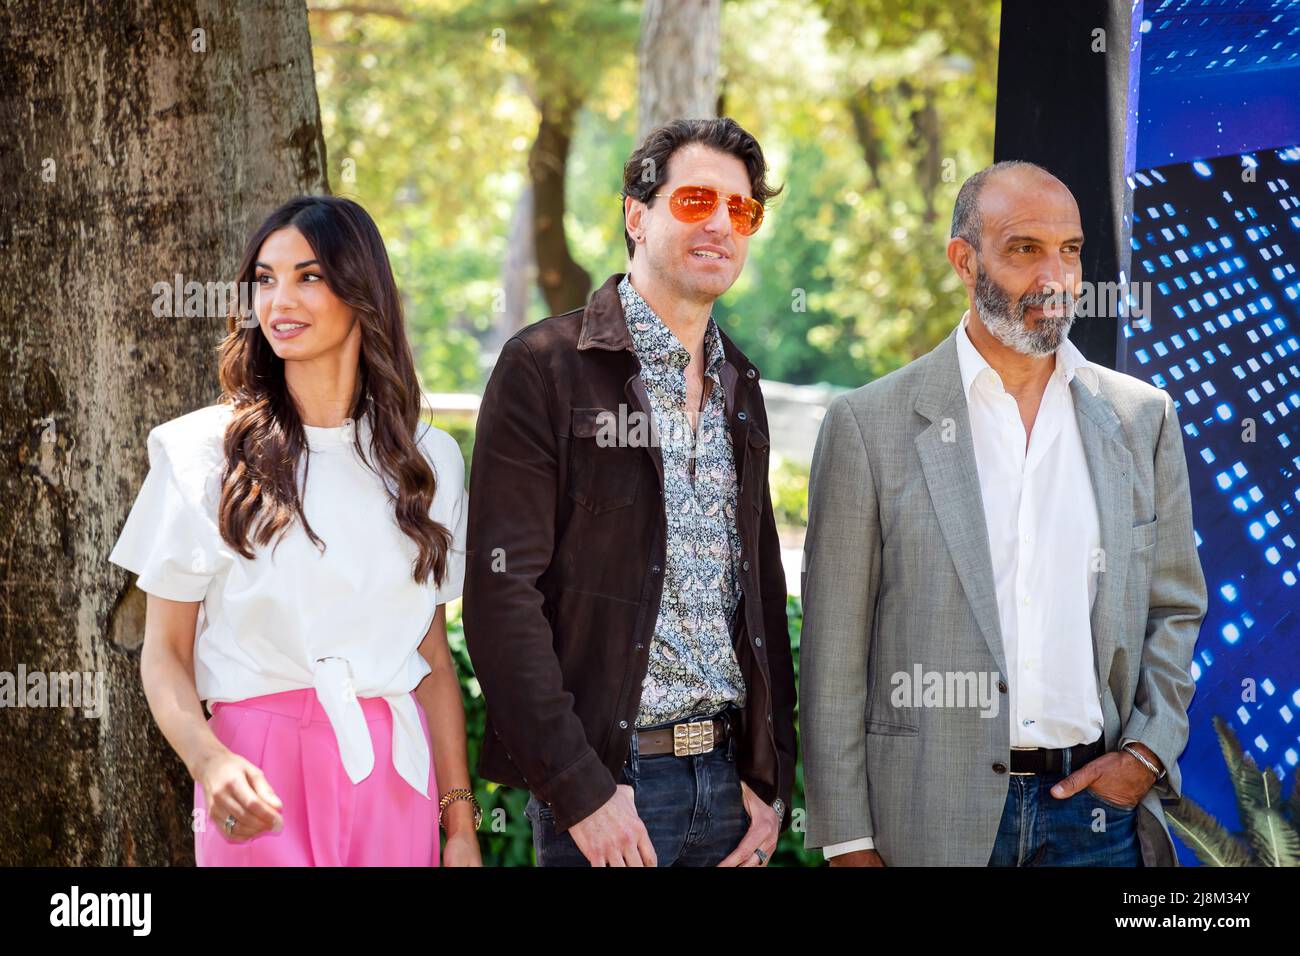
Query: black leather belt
{"x": 686, "y": 738}
{"x": 1040, "y": 760}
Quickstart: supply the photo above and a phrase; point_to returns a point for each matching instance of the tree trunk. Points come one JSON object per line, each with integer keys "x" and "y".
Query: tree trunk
{"x": 864, "y": 129}
{"x": 517, "y": 271}
{"x": 678, "y": 57}
{"x": 139, "y": 145}
{"x": 565, "y": 285}
{"x": 924, "y": 140}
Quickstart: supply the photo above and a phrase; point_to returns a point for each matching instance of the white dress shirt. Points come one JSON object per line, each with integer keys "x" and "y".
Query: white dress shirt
{"x": 346, "y": 622}
{"x": 1045, "y": 542}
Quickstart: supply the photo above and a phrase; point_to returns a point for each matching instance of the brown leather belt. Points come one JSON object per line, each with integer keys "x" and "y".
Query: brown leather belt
{"x": 684, "y": 739}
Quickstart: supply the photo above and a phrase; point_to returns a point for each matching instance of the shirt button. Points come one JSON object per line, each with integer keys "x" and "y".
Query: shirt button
{"x": 744, "y": 565}
{"x": 758, "y": 642}
{"x": 999, "y": 768}
{"x": 622, "y": 724}
{"x": 741, "y": 416}
{"x": 1002, "y": 686}
{"x": 654, "y": 569}
{"x": 639, "y": 646}
{"x": 1026, "y": 598}
{"x": 1026, "y": 539}
{"x": 751, "y": 374}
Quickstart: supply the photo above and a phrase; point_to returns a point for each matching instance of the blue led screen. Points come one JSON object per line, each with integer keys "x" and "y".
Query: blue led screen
{"x": 1223, "y": 338}
{"x": 1218, "y": 77}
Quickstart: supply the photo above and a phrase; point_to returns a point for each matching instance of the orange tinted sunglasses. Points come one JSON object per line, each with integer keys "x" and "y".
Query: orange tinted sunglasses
{"x": 697, "y": 203}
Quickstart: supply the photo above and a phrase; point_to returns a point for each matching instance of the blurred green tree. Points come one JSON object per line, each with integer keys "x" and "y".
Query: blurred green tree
{"x": 440, "y": 115}
{"x": 445, "y": 117}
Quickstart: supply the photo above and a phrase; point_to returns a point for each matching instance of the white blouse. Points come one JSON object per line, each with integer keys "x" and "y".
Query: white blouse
{"x": 347, "y": 622}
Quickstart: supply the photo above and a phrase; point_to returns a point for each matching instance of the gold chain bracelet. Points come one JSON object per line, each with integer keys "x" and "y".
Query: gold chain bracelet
{"x": 459, "y": 793}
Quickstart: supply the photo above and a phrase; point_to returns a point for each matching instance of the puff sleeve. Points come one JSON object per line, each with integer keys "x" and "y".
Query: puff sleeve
{"x": 450, "y": 507}
{"x": 165, "y": 540}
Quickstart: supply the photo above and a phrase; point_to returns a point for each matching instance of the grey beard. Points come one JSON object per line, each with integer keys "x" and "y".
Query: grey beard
{"x": 1007, "y": 323}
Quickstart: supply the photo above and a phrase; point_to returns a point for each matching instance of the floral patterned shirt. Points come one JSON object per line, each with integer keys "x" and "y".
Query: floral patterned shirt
{"x": 693, "y": 669}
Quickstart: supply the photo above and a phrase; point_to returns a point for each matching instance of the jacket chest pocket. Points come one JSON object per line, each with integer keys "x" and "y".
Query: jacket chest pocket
{"x": 1144, "y": 536}
{"x": 604, "y": 469}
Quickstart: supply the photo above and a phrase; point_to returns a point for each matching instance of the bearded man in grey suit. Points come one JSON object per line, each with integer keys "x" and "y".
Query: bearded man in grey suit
{"x": 1001, "y": 587}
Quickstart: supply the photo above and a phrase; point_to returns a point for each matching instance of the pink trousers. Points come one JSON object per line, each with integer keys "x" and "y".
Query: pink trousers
{"x": 328, "y": 820}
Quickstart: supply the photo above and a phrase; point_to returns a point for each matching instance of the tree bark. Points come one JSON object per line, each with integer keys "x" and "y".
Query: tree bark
{"x": 678, "y": 58}
{"x": 859, "y": 105}
{"x": 517, "y": 272}
{"x": 924, "y": 140}
{"x": 565, "y": 285}
{"x": 136, "y": 149}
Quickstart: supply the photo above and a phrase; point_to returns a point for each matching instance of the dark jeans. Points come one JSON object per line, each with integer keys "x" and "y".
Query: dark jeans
{"x": 691, "y": 807}
{"x": 1038, "y": 829}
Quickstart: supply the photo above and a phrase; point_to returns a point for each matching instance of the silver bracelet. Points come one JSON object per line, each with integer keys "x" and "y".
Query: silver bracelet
{"x": 1134, "y": 752}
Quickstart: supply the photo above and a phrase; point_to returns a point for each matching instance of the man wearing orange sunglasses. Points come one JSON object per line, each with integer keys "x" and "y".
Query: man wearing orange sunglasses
{"x": 624, "y": 597}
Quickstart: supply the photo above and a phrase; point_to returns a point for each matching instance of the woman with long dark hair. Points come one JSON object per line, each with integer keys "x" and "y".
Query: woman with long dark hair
{"x": 298, "y": 541}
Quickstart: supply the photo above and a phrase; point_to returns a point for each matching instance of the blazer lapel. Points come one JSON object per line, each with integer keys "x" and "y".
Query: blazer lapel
{"x": 948, "y": 461}
{"x": 1110, "y": 465}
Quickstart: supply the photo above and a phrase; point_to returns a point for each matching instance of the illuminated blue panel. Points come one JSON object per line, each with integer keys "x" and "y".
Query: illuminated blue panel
{"x": 1218, "y": 78}
{"x": 1239, "y": 424}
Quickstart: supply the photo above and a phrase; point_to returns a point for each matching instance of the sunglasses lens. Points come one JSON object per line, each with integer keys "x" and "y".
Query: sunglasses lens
{"x": 693, "y": 203}
{"x": 696, "y": 203}
{"x": 746, "y": 214}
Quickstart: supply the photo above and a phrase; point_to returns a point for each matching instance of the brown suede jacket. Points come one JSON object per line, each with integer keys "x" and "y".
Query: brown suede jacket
{"x": 564, "y": 575}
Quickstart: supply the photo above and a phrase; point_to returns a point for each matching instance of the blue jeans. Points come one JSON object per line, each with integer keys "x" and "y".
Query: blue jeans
{"x": 691, "y": 807}
{"x": 1038, "y": 829}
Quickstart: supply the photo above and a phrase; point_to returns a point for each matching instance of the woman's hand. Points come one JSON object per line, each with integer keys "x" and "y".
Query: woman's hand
{"x": 233, "y": 786}
{"x": 461, "y": 849}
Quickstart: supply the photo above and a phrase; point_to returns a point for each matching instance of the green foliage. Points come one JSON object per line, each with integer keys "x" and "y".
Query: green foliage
{"x": 463, "y": 432}
{"x": 409, "y": 104}
{"x": 789, "y": 485}
{"x": 789, "y": 849}
{"x": 429, "y": 111}
{"x": 871, "y": 112}
{"x": 505, "y": 836}
{"x": 1272, "y": 828}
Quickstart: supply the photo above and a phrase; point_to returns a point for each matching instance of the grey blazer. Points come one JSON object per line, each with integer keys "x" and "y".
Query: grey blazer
{"x": 897, "y": 573}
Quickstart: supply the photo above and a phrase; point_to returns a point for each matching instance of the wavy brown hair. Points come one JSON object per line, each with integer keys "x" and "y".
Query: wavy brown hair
{"x": 656, "y": 151}
{"x": 265, "y": 439}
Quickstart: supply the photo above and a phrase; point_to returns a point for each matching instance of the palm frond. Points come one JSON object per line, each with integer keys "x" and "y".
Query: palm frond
{"x": 1206, "y": 837}
{"x": 1293, "y": 803}
{"x": 1259, "y": 801}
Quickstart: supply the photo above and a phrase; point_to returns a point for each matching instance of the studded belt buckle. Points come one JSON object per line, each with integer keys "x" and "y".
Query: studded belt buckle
{"x": 692, "y": 737}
